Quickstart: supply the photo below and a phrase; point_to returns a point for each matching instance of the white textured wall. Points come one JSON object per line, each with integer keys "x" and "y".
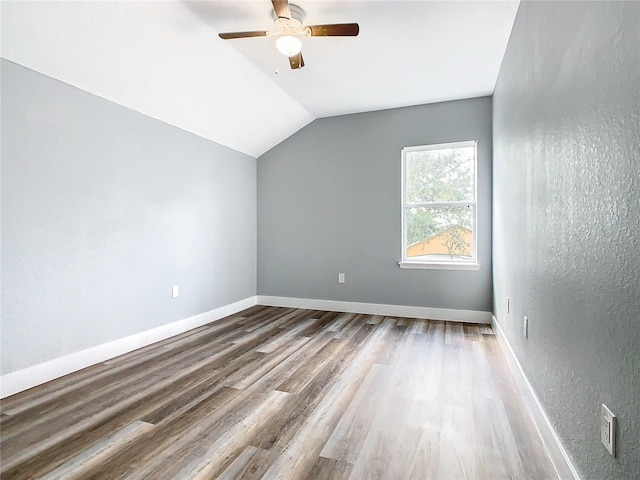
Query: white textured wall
{"x": 567, "y": 219}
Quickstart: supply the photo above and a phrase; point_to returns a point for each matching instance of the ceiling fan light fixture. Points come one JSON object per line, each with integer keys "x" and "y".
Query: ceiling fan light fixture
{"x": 288, "y": 26}
{"x": 289, "y": 45}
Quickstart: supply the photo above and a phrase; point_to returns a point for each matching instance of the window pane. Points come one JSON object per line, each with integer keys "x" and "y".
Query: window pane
{"x": 439, "y": 234}
{"x": 445, "y": 175}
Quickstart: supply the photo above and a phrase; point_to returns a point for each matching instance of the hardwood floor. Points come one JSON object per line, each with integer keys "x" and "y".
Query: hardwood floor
{"x": 284, "y": 393}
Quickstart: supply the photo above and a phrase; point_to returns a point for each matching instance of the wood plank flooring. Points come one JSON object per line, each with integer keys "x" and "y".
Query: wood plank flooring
{"x": 284, "y": 393}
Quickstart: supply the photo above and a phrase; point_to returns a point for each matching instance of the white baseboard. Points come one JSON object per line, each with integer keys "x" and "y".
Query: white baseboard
{"x": 559, "y": 457}
{"x": 470, "y": 316}
{"x": 15, "y": 382}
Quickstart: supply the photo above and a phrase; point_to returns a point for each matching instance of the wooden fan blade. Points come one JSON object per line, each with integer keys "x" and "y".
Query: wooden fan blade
{"x": 282, "y": 8}
{"x": 229, "y": 36}
{"x": 296, "y": 61}
{"x": 335, "y": 30}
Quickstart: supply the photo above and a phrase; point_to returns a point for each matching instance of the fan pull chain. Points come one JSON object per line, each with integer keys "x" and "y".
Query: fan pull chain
{"x": 275, "y": 52}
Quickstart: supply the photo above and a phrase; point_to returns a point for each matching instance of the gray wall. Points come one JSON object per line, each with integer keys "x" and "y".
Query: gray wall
{"x": 103, "y": 210}
{"x": 567, "y": 219}
{"x": 329, "y": 202}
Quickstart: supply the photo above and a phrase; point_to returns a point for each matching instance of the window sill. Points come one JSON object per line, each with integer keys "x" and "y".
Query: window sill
{"x": 439, "y": 265}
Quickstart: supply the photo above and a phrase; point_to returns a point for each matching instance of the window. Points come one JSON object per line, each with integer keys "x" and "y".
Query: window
{"x": 439, "y": 206}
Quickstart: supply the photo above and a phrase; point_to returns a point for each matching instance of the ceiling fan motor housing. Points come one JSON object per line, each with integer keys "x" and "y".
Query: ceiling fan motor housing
{"x": 297, "y": 13}
{"x": 289, "y": 26}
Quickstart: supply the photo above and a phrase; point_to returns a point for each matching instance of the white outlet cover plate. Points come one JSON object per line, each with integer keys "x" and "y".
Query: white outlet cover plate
{"x": 341, "y": 278}
{"x": 608, "y": 430}
{"x": 175, "y": 291}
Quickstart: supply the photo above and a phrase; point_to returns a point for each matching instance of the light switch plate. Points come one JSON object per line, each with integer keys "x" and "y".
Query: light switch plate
{"x": 175, "y": 291}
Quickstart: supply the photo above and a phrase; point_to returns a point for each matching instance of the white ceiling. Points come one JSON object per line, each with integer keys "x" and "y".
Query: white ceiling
{"x": 164, "y": 59}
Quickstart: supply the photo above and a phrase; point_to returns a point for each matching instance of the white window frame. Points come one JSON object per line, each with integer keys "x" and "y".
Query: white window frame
{"x": 471, "y": 264}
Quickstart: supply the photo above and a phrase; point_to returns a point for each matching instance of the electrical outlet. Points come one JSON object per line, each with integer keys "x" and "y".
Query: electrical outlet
{"x": 341, "y": 278}
{"x": 608, "y": 430}
{"x": 525, "y": 330}
{"x": 508, "y": 305}
{"x": 175, "y": 291}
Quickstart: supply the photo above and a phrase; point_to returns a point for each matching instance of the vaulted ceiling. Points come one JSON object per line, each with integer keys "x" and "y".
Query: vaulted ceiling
{"x": 165, "y": 59}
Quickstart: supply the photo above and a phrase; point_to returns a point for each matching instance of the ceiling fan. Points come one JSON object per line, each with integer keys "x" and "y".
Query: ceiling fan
{"x": 288, "y": 25}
